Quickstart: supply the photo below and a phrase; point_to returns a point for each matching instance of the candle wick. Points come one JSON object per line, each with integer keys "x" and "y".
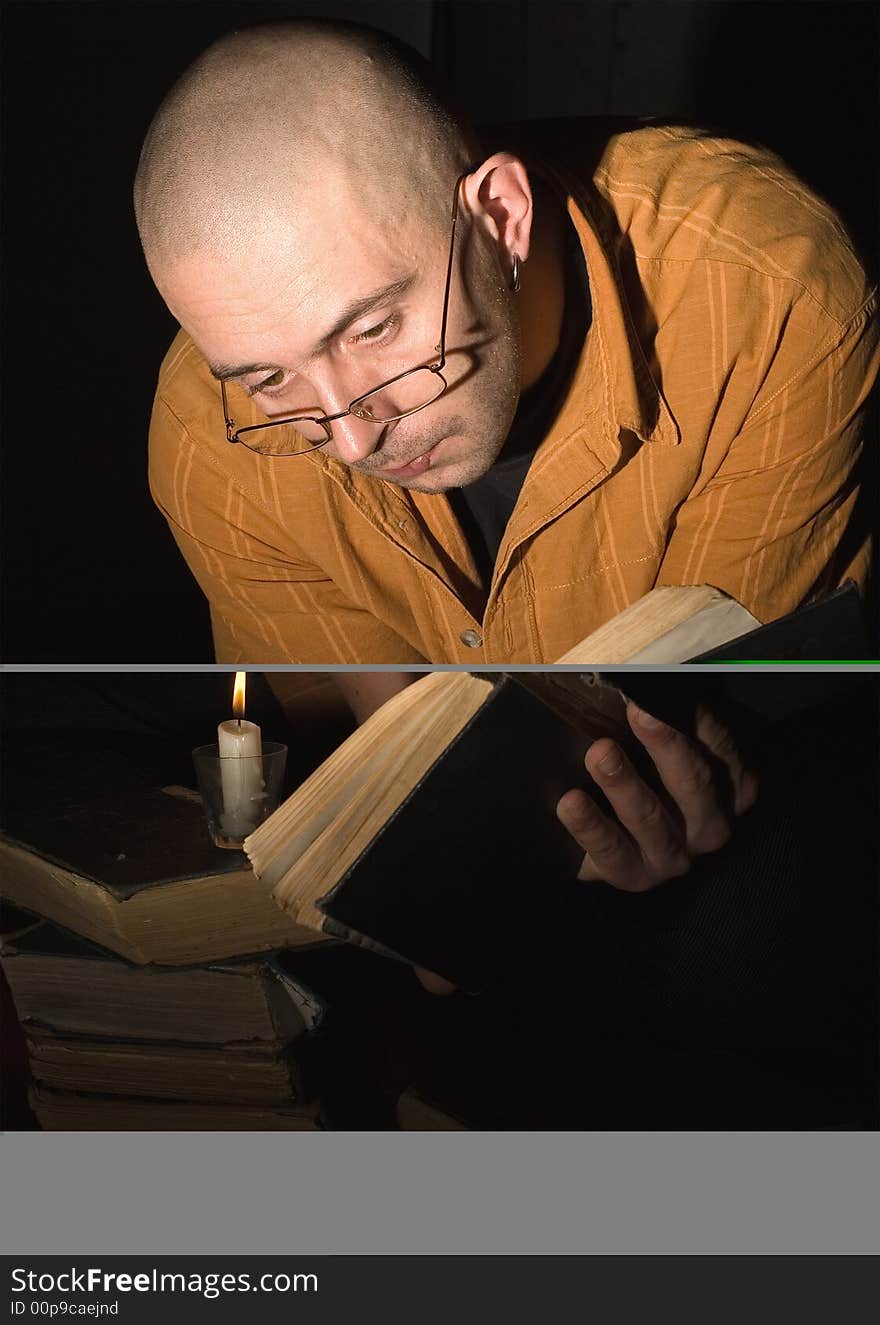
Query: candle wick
{"x": 239, "y": 722}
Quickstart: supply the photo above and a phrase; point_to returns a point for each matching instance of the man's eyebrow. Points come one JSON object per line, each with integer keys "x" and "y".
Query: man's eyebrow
{"x": 223, "y": 371}
{"x": 357, "y": 308}
{"x": 351, "y": 312}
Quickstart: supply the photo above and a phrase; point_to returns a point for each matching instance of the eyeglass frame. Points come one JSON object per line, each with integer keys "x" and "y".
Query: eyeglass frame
{"x": 234, "y": 435}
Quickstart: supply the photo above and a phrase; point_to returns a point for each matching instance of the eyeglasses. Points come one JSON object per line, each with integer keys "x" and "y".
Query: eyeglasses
{"x": 398, "y": 398}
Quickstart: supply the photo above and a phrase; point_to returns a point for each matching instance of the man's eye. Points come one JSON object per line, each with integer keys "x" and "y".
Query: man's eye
{"x": 381, "y": 332}
{"x": 267, "y": 383}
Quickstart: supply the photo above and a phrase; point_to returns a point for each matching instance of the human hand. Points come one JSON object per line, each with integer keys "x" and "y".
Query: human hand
{"x": 654, "y": 838}
{"x": 434, "y": 983}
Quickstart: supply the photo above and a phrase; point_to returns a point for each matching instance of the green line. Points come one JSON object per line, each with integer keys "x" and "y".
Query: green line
{"x": 787, "y": 662}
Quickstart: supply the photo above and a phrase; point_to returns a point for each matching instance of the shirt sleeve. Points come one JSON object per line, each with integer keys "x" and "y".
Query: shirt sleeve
{"x": 781, "y": 521}
{"x": 268, "y": 604}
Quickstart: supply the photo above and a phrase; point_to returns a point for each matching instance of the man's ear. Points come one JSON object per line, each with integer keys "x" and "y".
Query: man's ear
{"x": 499, "y": 198}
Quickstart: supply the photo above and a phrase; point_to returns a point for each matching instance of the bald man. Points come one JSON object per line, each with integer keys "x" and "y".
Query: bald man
{"x": 527, "y": 386}
{"x": 432, "y": 401}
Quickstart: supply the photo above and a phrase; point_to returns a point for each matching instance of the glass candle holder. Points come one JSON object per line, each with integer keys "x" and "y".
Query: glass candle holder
{"x": 238, "y": 793}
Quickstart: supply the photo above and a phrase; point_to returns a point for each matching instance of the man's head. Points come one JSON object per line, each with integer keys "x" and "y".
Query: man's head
{"x": 299, "y": 170}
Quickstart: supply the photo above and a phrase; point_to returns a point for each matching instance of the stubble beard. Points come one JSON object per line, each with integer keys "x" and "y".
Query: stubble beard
{"x": 480, "y": 429}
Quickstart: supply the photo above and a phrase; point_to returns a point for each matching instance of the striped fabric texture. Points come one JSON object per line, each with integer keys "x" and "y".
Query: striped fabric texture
{"x": 710, "y": 435}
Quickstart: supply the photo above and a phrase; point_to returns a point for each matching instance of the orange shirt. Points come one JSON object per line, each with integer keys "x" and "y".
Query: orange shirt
{"x": 709, "y": 436}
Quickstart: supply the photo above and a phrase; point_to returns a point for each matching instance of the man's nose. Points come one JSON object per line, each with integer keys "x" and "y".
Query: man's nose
{"x": 354, "y": 439}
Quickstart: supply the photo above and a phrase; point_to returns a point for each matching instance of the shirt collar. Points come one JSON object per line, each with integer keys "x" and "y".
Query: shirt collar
{"x": 633, "y": 397}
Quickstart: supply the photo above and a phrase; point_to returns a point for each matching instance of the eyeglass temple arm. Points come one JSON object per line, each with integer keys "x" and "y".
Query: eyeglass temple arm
{"x": 230, "y": 422}
{"x": 441, "y": 348}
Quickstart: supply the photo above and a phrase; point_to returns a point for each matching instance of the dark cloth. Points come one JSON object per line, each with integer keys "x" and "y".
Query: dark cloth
{"x": 483, "y": 508}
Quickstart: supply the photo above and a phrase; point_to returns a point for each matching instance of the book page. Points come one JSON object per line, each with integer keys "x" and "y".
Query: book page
{"x": 306, "y": 845}
{"x": 284, "y": 836}
{"x": 655, "y": 618}
{"x": 717, "y": 624}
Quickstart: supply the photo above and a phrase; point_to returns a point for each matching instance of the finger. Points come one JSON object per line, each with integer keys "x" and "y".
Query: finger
{"x": 688, "y": 776}
{"x": 656, "y": 835}
{"x": 611, "y": 855}
{"x": 718, "y": 738}
{"x": 435, "y": 984}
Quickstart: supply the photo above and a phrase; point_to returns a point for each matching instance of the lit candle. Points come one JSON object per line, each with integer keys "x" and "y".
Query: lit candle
{"x": 241, "y": 768}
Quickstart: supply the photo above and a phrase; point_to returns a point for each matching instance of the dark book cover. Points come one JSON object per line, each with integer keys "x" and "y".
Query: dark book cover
{"x": 474, "y": 863}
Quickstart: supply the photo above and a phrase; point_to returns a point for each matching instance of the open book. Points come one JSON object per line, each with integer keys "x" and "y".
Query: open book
{"x": 133, "y": 869}
{"x": 696, "y": 623}
{"x": 431, "y": 833}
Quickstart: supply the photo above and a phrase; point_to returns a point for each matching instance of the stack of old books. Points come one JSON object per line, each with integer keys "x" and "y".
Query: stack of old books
{"x": 157, "y": 984}
{"x": 112, "y": 1045}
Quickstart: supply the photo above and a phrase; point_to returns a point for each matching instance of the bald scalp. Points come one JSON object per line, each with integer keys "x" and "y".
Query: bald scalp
{"x": 267, "y": 123}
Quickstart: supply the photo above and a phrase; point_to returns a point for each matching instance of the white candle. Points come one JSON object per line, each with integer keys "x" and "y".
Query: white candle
{"x": 241, "y": 768}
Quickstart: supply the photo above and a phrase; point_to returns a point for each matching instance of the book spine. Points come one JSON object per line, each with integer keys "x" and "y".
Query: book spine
{"x": 335, "y": 929}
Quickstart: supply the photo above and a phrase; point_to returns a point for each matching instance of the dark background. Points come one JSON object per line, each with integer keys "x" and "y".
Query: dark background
{"x": 92, "y": 574}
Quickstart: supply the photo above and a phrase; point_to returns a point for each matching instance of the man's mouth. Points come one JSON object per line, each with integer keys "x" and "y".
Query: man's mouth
{"x": 417, "y": 465}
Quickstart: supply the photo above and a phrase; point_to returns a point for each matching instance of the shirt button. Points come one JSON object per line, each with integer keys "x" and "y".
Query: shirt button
{"x": 471, "y": 639}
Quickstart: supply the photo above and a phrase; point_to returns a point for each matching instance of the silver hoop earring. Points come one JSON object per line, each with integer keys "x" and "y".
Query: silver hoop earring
{"x": 514, "y": 275}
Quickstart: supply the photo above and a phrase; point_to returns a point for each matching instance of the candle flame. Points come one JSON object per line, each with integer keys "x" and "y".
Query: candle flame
{"x": 238, "y": 694}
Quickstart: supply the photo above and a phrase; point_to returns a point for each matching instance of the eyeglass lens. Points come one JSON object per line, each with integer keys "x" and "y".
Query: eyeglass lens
{"x": 392, "y": 401}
